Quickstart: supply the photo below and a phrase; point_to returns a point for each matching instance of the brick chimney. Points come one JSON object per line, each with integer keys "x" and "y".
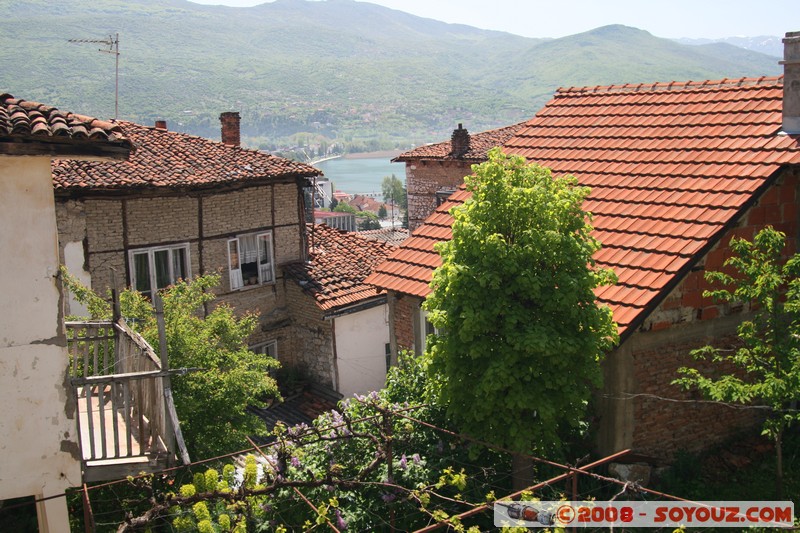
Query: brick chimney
{"x": 791, "y": 82}
{"x": 161, "y": 124}
{"x": 230, "y": 128}
{"x": 459, "y": 142}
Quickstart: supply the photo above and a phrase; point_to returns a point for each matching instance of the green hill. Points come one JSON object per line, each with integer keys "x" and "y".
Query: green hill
{"x": 340, "y": 69}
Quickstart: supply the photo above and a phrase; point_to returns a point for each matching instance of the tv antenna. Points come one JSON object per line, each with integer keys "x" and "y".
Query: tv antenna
{"x": 113, "y": 48}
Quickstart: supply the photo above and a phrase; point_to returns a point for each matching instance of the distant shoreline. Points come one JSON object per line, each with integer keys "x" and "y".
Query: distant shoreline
{"x": 381, "y": 154}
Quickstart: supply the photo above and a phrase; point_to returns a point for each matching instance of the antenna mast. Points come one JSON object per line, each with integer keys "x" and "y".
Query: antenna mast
{"x": 113, "y": 48}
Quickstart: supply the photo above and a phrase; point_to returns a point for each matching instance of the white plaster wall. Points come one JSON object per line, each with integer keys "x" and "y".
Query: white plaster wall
{"x": 361, "y": 340}
{"x": 39, "y": 451}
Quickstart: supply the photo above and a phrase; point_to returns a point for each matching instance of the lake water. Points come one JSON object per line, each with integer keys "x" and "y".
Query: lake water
{"x": 360, "y": 175}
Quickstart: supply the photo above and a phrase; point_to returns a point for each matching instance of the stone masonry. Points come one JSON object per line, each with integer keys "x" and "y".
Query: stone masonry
{"x": 424, "y": 179}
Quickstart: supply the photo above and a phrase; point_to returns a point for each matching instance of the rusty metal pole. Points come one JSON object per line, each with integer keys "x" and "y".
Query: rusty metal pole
{"x": 88, "y": 516}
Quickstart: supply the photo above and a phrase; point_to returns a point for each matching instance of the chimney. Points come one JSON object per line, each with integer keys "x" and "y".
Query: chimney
{"x": 161, "y": 124}
{"x": 230, "y": 128}
{"x": 791, "y": 82}
{"x": 459, "y": 142}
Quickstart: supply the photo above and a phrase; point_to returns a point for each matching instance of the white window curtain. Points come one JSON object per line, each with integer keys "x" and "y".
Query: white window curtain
{"x": 250, "y": 260}
{"x": 265, "y": 257}
{"x": 234, "y": 265}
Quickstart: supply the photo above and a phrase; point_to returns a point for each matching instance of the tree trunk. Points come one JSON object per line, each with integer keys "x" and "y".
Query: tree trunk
{"x": 521, "y": 472}
{"x": 779, "y": 464}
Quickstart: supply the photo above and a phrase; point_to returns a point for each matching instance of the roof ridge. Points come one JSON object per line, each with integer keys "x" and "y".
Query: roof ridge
{"x": 673, "y": 85}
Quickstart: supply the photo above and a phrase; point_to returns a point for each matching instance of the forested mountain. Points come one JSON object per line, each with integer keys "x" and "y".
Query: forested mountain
{"x": 337, "y": 69}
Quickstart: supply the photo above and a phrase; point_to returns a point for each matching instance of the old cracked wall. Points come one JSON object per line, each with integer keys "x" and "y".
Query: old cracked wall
{"x": 38, "y": 433}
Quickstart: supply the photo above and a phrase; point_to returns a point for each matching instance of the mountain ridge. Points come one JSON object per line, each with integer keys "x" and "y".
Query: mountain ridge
{"x": 339, "y": 69}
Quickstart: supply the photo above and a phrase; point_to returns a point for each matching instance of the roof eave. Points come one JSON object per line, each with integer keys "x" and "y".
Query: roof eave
{"x": 659, "y": 298}
{"x": 67, "y": 148}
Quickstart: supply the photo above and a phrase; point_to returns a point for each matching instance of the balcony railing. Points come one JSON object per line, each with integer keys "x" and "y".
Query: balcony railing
{"x": 126, "y": 422}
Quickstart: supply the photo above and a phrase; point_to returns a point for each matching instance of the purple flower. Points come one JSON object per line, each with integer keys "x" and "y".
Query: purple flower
{"x": 403, "y": 462}
{"x": 340, "y": 522}
{"x": 416, "y": 459}
{"x": 388, "y": 497}
{"x": 295, "y": 462}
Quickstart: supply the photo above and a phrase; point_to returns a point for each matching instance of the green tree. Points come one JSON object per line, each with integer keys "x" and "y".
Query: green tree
{"x": 344, "y": 207}
{"x": 768, "y": 360}
{"x": 520, "y": 336}
{"x": 368, "y": 223}
{"x": 382, "y": 214}
{"x": 394, "y": 190}
{"x": 211, "y": 402}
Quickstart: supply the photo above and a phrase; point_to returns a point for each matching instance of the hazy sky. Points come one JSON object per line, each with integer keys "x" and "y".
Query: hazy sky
{"x": 557, "y": 18}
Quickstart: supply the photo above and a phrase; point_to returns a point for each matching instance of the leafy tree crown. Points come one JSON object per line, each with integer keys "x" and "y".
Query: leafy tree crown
{"x": 520, "y": 336}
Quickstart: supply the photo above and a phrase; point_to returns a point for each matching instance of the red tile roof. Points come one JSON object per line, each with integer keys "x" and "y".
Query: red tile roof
{"x": 670, "y": 166}
{"x": 479, "y": 144}
{"x": 339, "y": 262}
{"x": 394, "y": 236}
{"x": 25, "y": 125}
{"x": 171, "y": 160}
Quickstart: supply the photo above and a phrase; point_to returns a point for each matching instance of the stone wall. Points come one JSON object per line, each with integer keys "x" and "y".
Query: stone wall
{"x": 423, "y": 179}
{"x": 312, "y": 337}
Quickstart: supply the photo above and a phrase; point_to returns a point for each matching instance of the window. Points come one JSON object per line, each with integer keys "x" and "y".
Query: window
{"x": 157, "y": 268}
{"x": 250, "y": 260}
{"x": 425, "y": 329}
{"x": 269, "y": 348}
{"x": 442, "y": 195}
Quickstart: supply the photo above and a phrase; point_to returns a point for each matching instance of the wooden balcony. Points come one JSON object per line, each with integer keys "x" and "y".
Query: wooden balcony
{"x": 126, "y": 418}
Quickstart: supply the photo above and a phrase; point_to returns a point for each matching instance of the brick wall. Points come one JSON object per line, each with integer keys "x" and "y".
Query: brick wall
{"x": 663, "y": 427}
{"x": 404, "y": 311}
{"x": 161, "y": 220}
{"x": 423, "y": 179}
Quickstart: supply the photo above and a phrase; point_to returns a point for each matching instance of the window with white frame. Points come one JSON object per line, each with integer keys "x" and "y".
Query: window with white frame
{"x": 269, "y": 348}
{"x": 158, "y": 267}
{"x": 250, "y": 260}
{"x": 425, "y": 329}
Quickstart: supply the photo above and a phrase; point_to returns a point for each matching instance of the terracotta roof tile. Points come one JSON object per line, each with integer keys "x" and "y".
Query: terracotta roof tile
{"x": 670, "y": 165}
{"x": 23, "y": 122}
{"x": 338, "y": 263}
{"x": 394, "y": 236}
{"x": 172, "y": 160}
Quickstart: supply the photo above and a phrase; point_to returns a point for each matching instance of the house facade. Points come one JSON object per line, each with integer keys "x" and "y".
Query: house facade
{"x": 182, "y": 206}
{"x": 675, "y": 171}
{"x": 40, "y": 454}
{"x": 341, "y": 328}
